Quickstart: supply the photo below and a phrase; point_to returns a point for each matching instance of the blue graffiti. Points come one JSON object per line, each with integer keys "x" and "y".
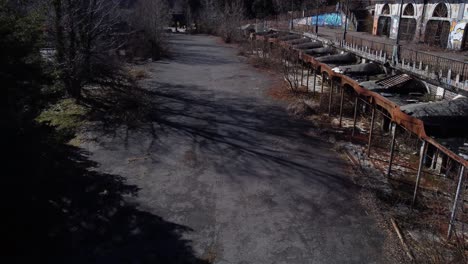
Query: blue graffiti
{"x": 331, "y": 19}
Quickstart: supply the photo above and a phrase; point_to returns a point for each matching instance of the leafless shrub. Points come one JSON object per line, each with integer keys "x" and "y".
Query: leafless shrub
{"x": 223, "y": 19}
{"x": 232, "y": 16}
{"x": 151, "y": 16}
{"x": 290, "y": 69}
{"x": 85, "y": 40}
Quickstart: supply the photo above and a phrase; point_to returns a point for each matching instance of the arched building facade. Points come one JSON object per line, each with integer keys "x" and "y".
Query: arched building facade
{"x": 437, "y": 23}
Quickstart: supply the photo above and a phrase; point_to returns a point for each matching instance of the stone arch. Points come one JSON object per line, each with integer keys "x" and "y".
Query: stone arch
{"x": 408, "y": 23}
{"x": 386, "y": 10}
{"x": 409, "y": 10}
{"x": 441, "y": 10}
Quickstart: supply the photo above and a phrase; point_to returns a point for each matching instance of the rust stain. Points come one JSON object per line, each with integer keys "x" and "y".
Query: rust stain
{"x": 412, "y": 124}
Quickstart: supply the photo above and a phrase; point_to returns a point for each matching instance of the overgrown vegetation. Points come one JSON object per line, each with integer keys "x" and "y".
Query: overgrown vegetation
{"x": 149, "y": 16}
{"x": 56, "y": 208}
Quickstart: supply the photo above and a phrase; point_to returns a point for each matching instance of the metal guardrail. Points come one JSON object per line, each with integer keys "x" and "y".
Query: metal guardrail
{"x": 433, "y": 63}
{"x": 455, "y": 72}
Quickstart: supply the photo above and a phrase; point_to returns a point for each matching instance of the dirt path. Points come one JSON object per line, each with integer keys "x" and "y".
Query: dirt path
{"x": 224, "y": 160}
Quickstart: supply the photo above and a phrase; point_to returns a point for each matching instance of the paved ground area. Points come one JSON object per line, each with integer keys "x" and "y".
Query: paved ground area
{"x": 224, "y": 160}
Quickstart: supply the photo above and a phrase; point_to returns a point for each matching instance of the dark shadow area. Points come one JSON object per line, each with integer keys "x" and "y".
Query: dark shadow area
{"x": 58, "y": 209}
{"x": 228, "y": 126}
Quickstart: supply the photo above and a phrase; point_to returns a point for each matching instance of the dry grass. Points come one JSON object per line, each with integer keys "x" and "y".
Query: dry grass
{"x": 137, "y": 74}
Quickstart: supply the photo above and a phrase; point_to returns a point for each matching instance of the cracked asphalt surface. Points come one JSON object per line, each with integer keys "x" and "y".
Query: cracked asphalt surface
{"x": 225, "y": 160}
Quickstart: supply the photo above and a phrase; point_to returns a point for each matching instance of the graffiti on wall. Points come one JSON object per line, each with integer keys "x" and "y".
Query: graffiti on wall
{"x": 457, "y": 31}
{"x": 301, "y": 21}
{"x": 330, "y": 20}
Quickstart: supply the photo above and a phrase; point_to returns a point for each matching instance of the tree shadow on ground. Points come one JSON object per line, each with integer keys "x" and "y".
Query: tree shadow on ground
{"x": 230, "y": 125}
{"x": 59, "y": 209}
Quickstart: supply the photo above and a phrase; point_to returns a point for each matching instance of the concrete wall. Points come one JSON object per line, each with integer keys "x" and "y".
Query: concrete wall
{"x": 457, "y": 17}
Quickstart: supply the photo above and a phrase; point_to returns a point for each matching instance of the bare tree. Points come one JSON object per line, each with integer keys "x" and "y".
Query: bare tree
{"x": 223, "y": 18}
{"x": 232, "y": 18}
{"x": 85, "y": 40}
{"x": 152, "y": 16}
{"x": 210, "y": 16}
{"x": 290, "y": 69}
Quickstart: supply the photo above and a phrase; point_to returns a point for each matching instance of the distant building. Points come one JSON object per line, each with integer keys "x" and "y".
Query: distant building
{"x": 436, "y": 23}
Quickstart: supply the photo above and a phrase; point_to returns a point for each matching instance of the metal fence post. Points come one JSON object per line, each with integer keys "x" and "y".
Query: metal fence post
{"x": 330, "y": 97}
{"x": 392, "y": 150}
{"x": 321, "y": 91}
{"x": 341, "y": 104}
{"x": 371, "y": 130}
{"x": 455, "y": 202}
{"x": 356, "y": 101}
{"x": 422, "y": 155}
{"x": 463, "y": 72}
{"x": 315, "y": 80}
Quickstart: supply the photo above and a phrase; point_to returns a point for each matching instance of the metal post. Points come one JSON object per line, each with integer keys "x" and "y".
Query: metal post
{"x": 392, "y": 150}
{"x": 256, "y": 48}
{"x": 434, "y": 159}
{"x": 330, "y": 94}
{"x": 346, "y": 20}
{"x": 463, "y": 72}
{"x": 315, "y": 81}
{"x": 455, "y": 202}
{"x": 321, "y": 92}
{"x": 302, "y": 74}
{"x": 341, "y": 104}
{"x": 356, "y": 101}
{"x": 422, "y": 155}
{"x": 396, "y": 49}
{"x": 316, "y": 19}
{"x": 292, "y": 15}
{"x": 308, "y": 75}
{"x": 371, "y": 131}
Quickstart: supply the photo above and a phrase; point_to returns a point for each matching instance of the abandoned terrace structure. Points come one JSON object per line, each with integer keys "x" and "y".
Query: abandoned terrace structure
{"x": 417, "y": 94}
